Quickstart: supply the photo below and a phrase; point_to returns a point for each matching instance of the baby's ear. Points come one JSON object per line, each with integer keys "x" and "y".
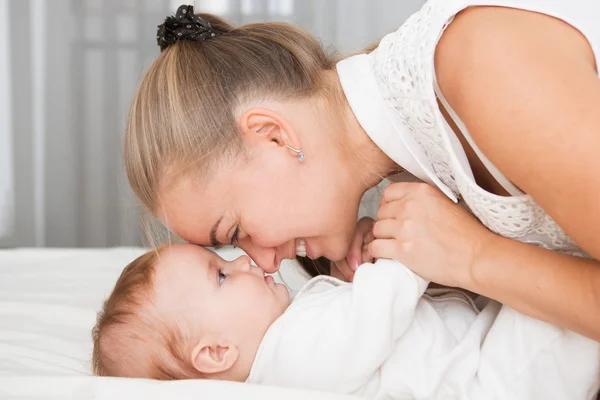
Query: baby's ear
{"x": 214, "y": 358}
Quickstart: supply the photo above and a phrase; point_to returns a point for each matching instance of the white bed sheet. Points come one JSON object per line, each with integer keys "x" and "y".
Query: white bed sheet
{"x": 48, "y": 304}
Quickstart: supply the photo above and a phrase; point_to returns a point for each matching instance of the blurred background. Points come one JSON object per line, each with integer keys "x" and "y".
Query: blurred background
{"x": 68, "y": 69}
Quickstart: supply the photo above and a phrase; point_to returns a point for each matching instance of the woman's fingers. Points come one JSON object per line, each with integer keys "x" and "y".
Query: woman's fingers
{"x": 341, "y": 270}
{"x": 399, "y": 190}
{"x": 384, "y": 248}
{"x": 369, "y": 237}
{"x": 354, "y": 257}
{"x": 362, "y": 233}
{"x": 366, "y": 254}
{"x": 397, "y": 209}
{"x": 386, "y": 229}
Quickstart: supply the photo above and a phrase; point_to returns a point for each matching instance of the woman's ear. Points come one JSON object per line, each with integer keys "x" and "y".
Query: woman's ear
{"x": 262, "y": 123}
{"x": 214, "y": 358}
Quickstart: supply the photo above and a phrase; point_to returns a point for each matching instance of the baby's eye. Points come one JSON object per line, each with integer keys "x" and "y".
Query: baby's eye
{"x": 222, "y": 277}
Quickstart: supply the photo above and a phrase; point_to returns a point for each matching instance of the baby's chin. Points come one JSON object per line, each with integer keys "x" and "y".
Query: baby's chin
{"x": 280, "y": 300}
{"x": 283, "y": 294}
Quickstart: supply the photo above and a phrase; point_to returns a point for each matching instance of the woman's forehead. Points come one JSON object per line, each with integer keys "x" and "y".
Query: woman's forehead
{"x": 195, "y": 213}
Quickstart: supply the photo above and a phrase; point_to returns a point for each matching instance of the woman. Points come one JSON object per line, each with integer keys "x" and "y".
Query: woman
{"x": 254, "y": 136}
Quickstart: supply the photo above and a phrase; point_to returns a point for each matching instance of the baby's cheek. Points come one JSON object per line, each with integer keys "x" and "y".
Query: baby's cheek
{"x": 251, "y": 300}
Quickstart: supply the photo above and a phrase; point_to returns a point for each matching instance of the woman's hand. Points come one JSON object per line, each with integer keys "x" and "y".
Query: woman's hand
{"x": 358, "y": 253}
{"x": 420, "y": 227}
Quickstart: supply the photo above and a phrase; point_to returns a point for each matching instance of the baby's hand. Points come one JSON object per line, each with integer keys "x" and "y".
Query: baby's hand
{"x": 358, "y": 253}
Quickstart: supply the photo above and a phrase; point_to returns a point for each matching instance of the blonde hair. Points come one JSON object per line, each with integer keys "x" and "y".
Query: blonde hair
{"x": 130, "y": 338}
{"x": 182, "y": 117}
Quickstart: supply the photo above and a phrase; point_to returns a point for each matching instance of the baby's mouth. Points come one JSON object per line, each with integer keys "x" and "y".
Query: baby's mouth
{"x": 301, "y": 248}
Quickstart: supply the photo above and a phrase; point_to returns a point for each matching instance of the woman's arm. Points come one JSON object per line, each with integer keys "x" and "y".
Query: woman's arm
{"x": 440, "y": 241}
{"x": 560, "y": 289}
{"x": 526, "y": 87}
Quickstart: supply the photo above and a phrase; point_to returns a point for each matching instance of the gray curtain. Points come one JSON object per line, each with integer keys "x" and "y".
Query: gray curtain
{"x": 6, "y": 162}
{"x": 73, "y": 66}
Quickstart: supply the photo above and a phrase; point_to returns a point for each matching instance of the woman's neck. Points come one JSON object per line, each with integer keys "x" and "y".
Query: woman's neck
{"x": 367, "y": 160}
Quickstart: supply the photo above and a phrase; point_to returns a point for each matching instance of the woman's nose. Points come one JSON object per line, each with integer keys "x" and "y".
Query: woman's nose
{"x": 264, "y": 257}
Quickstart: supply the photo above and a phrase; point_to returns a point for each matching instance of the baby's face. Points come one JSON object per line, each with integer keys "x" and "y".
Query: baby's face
{"x": 234, "y": 298}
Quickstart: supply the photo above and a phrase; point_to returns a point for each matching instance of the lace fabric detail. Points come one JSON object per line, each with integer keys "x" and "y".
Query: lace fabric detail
{"x": 519, "y": 218}
{"x": 404, "y": 69}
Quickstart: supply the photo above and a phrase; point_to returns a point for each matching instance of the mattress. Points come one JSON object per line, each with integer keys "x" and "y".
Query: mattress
{"x": 48, "y": 304}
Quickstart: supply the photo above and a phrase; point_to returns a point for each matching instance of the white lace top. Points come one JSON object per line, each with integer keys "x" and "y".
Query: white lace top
{"x": 392, "y": 91}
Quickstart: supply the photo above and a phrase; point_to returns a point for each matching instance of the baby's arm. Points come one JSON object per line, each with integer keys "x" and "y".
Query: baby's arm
{"x": 336, "y": 341}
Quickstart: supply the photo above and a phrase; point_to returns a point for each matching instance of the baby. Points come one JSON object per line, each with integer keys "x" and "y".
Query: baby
{"x": 183, "y": 312}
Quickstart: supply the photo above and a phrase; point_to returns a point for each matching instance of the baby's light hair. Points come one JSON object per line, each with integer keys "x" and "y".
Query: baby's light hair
{"x": 130, "y": 338}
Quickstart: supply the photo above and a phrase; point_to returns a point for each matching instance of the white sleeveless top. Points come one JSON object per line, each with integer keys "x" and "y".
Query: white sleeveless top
{"x": 392, "y": 92}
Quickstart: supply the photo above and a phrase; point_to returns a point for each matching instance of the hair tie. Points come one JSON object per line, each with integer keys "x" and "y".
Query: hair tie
{"x": 184, "y": 25}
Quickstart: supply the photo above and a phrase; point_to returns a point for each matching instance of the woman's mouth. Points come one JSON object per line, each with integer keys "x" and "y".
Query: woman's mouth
{"x": 301, "y": 248}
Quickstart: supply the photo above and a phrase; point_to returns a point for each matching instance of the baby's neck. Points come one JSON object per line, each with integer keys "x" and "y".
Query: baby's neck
{"x": 248, "y": 348}
{"x": 234, "y": 374}
{"x": 240, "y": 370}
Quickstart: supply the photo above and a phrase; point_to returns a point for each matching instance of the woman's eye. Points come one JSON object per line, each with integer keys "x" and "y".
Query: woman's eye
{"x": 222, "y": 277}
{"x": 235, "y": 236}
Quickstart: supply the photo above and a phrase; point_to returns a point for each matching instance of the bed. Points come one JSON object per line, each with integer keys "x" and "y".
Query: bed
{"x": 48, "y": 304}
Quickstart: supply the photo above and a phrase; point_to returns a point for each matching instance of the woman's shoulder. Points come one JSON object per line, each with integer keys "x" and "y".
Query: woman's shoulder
{"x": 483, "y": 42}
{"x": 523, "y": 82}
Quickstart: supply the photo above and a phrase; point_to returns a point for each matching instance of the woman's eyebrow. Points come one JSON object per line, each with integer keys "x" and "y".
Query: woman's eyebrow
{"x": 213, "y": 233}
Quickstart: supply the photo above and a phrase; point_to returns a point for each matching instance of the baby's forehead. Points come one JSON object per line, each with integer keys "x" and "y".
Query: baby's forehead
{"x": 187, "y": 259}
{"x": 178, "y": 271}
{"x": 179, "y": 275}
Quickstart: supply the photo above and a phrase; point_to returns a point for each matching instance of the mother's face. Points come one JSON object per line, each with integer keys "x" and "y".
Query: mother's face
{"x": 266, "y": 205}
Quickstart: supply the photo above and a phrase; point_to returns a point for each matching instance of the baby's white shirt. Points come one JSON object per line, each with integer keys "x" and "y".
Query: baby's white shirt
{"x": 382, "y": 338}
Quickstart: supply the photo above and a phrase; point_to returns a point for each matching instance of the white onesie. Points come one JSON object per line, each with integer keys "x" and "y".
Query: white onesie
{"x": 381, "y": 338}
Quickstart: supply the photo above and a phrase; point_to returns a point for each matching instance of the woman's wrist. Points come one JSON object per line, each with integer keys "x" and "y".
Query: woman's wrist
{"x": 475, "y": 274}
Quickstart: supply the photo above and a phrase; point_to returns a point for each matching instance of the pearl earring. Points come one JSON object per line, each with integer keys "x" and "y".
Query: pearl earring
{"x": 300, "y": 152}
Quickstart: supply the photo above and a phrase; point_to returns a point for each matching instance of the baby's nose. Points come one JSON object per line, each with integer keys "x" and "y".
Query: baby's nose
{"x": 242, "y": 263}
{"x": 265, "y": 258}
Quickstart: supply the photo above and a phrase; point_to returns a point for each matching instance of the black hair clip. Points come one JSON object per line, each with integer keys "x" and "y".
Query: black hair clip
{"x": 184, "y": 25}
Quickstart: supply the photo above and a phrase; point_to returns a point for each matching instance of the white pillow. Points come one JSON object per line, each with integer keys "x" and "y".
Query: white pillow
{"x": 48, "y": 304}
